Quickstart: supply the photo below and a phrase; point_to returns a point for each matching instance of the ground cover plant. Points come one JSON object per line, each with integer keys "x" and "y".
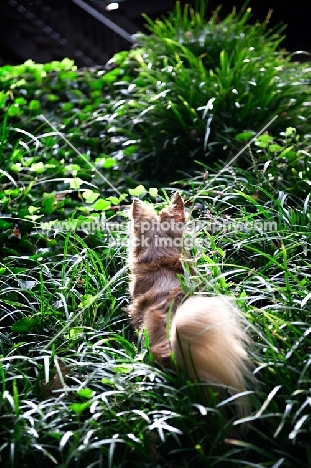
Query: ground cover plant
{"x": 77, "y": 386}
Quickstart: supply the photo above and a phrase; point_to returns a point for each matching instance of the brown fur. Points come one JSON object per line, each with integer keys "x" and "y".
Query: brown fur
{"x": 206, "y": 334}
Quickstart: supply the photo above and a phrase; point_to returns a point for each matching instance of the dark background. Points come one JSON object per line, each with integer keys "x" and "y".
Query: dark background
{"x": 46, "y": 30}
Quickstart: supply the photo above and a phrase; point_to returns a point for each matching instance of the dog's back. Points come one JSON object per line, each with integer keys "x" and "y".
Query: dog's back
{"x": 206, "y": 334}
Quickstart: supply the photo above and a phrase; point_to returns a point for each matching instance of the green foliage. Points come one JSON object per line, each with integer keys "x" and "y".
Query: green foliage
{"x": 41, "y": 187}
{"x": 281, "y": 163}
{"x": 201, "y": 82}
{"x": 77, "y": 387}
{"x": 181, "y": 96}
{"x": 52, "y": 104}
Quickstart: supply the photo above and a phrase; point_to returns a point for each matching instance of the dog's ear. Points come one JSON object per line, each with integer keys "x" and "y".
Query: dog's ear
{"x": 141, "y": 210}
{"x": 136, "y": 209}
{"x": 175, "y": 209}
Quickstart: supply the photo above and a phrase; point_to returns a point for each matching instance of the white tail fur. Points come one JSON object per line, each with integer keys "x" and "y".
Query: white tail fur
{"x": 208, "y": 338}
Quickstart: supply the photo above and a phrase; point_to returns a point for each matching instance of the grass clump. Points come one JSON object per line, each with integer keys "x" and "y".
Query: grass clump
{"x": 201, "y": 82}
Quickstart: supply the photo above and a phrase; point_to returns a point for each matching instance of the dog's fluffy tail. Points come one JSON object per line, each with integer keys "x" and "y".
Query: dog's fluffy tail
{"x": 209, "y": 340}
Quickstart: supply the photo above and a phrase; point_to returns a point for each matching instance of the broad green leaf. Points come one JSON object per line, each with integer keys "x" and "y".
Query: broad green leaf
{"x": 113, "y": 200}
{"x": 101, "y": 205}
{"x": 105, "y": 162}
{"x": 106, "y": 381}
{"x": 37, "y": 167}
{"x": 72, "y": 167}
{"x": 34, "y": 104}
{"x": 75, "y": 183}
{"x": 4, "y": 224}
{"x": 16, "y": 167}
{"x": 97, "y": 84}
{"x": 138, "y": 191}
{"x": 90, "y": 196}
{"x": 129, "y": 150}
{"x": 153, "y": 192}
{"x": 52, "y": 97}
{"x": 111, "y": 76}
{"x": 245, "y": 136}
{"x": 109, "y": 162}
{"x": 14, "y": 110}
{"x": 33, "y": 209}
{"x": 290, "y": 131}
{"x": 275, "y": 148}
{"x": 20, "y": 101}
{"x": 56, "y": 435}
{"x": 67, "y": 106}
{"x": 78, "y": 408}
{"x": 85, "y": 392}
{"x": 13, "y": 192}
{"x": 263, "y": 141}
{"x": 119, "y": 57}
{"x": 285, "y": 152}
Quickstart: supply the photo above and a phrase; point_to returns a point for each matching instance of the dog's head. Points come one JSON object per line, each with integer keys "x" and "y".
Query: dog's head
{"x": 157, "y": 235}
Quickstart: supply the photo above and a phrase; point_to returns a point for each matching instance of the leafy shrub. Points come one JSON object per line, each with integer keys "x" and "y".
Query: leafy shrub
{"x": 78, "y": 104}
{"x": 66, "y": 166}
{"x": 200, "y": 83}
{"x": 49, "y": 188}
{"x": 281, "y": 163}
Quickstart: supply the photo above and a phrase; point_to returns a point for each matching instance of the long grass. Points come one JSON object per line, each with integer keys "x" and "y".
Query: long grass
{"x": 200, "y": 83}
{"x": 79, "y": 389}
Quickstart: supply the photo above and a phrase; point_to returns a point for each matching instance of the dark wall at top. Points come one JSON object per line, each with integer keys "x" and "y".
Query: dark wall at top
{"x": 46, "y": 30}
